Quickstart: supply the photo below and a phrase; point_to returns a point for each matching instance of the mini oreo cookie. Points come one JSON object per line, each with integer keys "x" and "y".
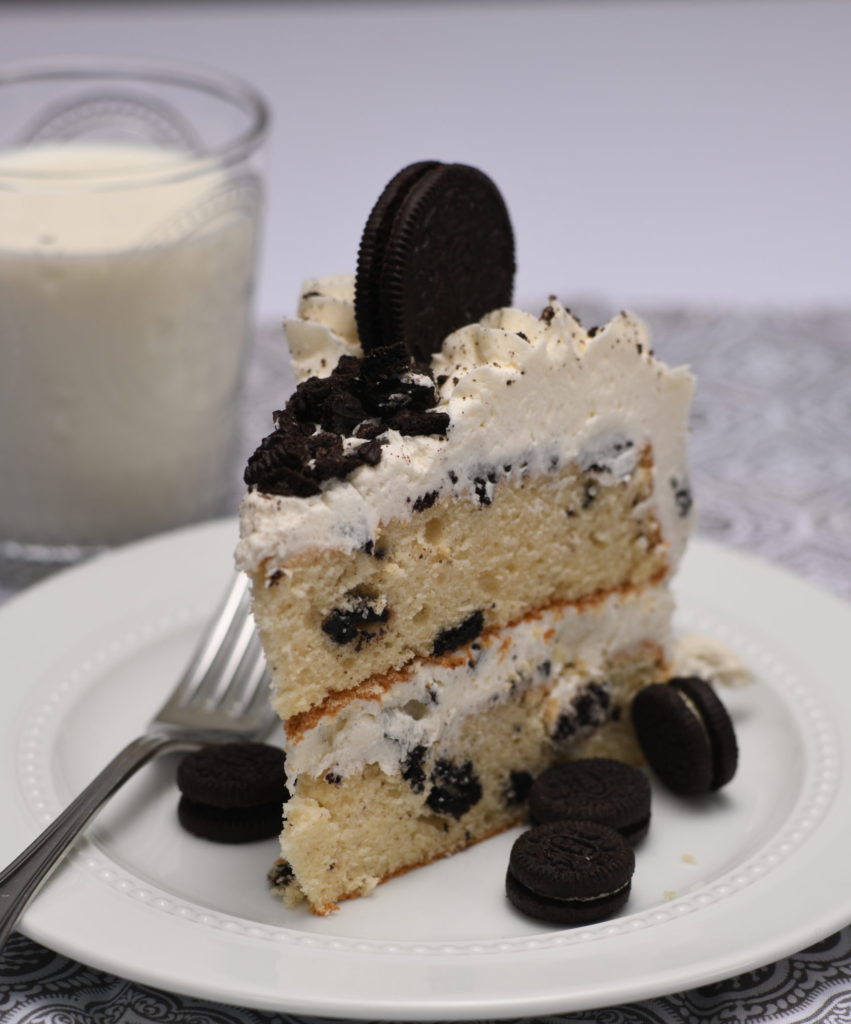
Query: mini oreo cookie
{"x": 570, "y": 872}
{"x": 437, "y": 254}
{"x": 233, "y": 775}
{"x": 686, "y": 735}
{"x": 594, "y": 789}
{"x": 232, "y": 824}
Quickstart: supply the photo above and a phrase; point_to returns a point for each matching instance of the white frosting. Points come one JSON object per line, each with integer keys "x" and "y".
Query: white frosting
{"x": 325, "y": 328}
{"x": 568, "y": 645}
{"x": 520, "y": 391}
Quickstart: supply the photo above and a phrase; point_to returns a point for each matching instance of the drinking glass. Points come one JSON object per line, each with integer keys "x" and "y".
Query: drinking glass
{"x": 130, "y": 200}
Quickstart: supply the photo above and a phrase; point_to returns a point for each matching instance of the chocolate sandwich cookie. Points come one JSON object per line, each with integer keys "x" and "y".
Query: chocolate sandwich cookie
{"x": 233, "y": 775}
{"x": 232, "y": 792}
{"x": 570, "y": 872}
{"x": 594, "y": 789}
{"x": 686, "y": 735}
{"x": 437, "y": 253}
{"x": 231, "y": 824}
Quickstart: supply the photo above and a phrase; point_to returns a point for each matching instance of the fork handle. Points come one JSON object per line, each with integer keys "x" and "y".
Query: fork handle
{"x": 20, "y": 881}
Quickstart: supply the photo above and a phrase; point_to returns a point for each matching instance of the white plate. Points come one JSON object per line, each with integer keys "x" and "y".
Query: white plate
{"x": 722, "y": 884}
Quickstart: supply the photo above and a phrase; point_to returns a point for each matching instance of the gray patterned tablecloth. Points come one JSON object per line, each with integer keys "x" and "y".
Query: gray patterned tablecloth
{"x": 771, "y": 465}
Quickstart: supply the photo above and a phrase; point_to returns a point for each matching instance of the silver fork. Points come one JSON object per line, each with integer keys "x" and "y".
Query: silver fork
{"x": 222, "y": 696}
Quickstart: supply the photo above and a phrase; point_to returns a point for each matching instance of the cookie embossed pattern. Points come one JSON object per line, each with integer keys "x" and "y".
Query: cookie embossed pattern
{"x": 52, "y": 710}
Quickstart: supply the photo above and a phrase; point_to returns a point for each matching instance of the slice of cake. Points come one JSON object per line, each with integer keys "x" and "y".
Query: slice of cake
{"x": 459, "y": 551}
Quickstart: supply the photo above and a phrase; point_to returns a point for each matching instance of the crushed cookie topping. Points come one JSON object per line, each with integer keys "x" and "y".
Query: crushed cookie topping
{"x": 333, "y": 425}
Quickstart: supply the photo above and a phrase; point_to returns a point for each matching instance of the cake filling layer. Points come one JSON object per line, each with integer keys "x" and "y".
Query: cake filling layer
{"x": 436, "y": 579}
{"x": 562, "y": 647}
{"x": 345, "y": 834}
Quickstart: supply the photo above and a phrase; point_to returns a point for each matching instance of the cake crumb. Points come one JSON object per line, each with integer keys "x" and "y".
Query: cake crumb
{"x": 687, "y": 858}
{"x": 669, "y": 894}
{"x": 697, "y": 655}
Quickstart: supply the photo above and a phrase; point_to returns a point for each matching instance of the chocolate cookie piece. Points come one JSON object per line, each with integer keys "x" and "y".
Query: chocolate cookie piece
{"x": 464, "y": 632}
{"x": 233, "y": 775}
{"x": 373, "y": 245}
{"x": 594, "y": 789}
{"x": 232, "y": 824}
{"x": 455, "y": 788}
{"x": 570, "y": 872}
{"x": 360, "y": 399}
{"x": 686, "y": 735}
{"x": 437, "y": 253}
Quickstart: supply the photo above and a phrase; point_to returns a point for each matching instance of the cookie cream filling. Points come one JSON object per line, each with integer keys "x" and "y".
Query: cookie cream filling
{"x": 567, "y": 647}
{"x": 524, "y": 395}
{"x": 581, "y": 899}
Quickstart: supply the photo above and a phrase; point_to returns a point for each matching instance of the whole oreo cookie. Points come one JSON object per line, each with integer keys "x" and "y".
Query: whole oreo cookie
{"x": 437, "y": 254}
{"x": 570, "y": 872}
{"x": 232, "y": 775}
{"x": 594, "y": 789}
{"x": 233, "y": 824}
{"x": 686, "y": 735}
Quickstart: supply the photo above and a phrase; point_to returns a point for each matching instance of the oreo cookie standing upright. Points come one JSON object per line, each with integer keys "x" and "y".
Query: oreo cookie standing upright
{"x": 437, "y": 254}
{"x": 686, "y": 734}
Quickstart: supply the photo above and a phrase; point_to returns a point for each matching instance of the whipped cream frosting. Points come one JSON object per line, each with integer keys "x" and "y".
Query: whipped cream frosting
{"x": 566, "y": 647}
{"x": 523, "y": 393}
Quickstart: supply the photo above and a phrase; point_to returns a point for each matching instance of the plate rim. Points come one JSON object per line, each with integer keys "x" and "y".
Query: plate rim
{"x": 199, "y": 541}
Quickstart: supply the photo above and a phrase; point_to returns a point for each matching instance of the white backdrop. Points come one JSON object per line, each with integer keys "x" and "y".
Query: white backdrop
{"x": 650, "y": 150}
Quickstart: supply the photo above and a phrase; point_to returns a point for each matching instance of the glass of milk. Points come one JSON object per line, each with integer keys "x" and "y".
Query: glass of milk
{"x": 129, "y": 207}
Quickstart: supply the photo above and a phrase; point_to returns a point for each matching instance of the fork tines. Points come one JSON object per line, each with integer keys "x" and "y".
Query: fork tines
{"x": 224, "y": 684}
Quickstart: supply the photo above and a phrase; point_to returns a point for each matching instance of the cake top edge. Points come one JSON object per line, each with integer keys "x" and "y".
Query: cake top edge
{"x": 324, "y": 329}
{"x": 371, "y": 437}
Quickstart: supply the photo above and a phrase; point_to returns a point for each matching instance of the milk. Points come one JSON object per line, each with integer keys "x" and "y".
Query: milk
{"x": 124, "y": 313}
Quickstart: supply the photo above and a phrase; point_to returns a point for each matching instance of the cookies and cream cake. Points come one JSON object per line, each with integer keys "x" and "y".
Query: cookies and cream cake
{"x": 460, "y": 546}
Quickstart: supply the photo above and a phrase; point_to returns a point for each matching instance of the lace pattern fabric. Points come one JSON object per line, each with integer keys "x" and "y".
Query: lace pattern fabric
{"x": 771, "y": 472}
